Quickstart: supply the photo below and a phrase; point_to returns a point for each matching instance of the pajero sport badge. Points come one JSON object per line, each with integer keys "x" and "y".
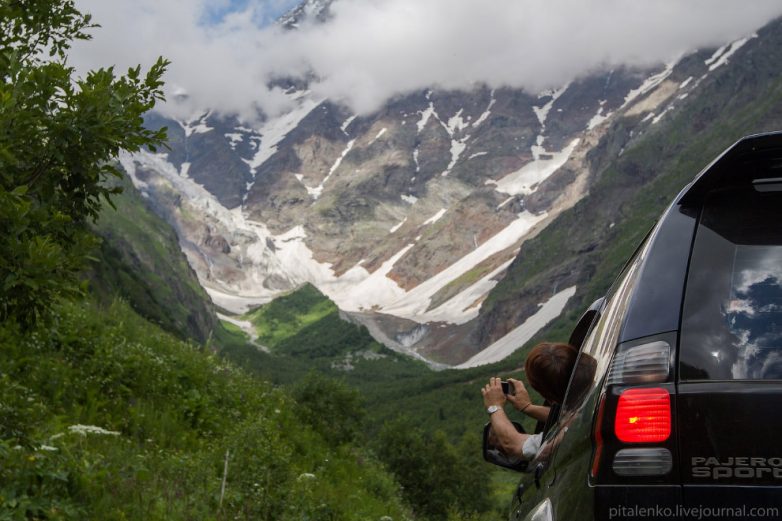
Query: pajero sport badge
{"x": 737, "y": 467}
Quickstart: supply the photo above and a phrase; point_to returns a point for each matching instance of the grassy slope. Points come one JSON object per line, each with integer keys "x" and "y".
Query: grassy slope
{"x": 289, "y": 314}
{"x": 140, "y": 261}
{"x": 176, "y": 411}
{"x": 176, "y": 408}
{"x": 303, "y": 336}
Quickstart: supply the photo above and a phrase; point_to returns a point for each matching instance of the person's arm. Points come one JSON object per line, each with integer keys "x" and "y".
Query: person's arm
{"x": 538, "y": 412}
{"x": 510, "y": 440}
{"x": 522, "y": 402}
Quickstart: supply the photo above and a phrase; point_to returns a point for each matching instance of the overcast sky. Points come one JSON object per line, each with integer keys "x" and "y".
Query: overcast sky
{"x": 225, "y": 51}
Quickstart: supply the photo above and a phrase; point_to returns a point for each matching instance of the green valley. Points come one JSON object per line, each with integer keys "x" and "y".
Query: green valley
{"x": 127, "y": 393}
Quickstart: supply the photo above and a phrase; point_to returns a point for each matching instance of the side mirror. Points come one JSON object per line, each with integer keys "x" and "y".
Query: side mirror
{"x": 494, "y": 454}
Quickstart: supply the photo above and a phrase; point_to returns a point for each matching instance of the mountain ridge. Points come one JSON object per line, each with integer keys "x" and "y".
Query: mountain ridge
{"x": 411, "y": 216}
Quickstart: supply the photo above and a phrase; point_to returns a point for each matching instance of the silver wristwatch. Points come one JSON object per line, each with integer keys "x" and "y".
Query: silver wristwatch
{"x": 492, "y": 409}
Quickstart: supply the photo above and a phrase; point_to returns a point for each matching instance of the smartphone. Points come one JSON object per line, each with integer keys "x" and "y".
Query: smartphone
{"x": 508, "y": 388}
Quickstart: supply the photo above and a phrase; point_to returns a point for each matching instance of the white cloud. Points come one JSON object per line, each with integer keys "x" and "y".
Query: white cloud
{"x": 372, "y": 50}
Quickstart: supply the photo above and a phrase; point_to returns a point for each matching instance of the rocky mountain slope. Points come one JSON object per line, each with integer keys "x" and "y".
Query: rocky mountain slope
{"x": 139, "y": 260}
{"x": 409, "y": 217}
{"x": 638, "y": 171}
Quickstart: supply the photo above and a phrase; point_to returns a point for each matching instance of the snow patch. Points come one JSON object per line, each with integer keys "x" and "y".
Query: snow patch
{"x": 184, "y": 169}
{"x": 505, "y": 202}
{"x": 425, "y": 115}
{"x": 722, "y": 55}
{"x": 457, "y": 147}
{"x": 234, "y": 139}
{"x": 358, "y": 290}
{"x": 477, "y": 154}
{"x": 409, "y": 199}
{"x": 346, "y": 124}
{"x": 436, "y": 217}
{"x": 260, "y": 263}
{"x": 506, "y": 345}
{"x": 397, "y": 226}
{"x": 318, "y": 190}
{"x": 379, "y": 135}
{"x": 462, "y": 308}
{"x": 486, "y": 113}
{"x": 650, "y": 83}
{"x": 456, "y": 123}
{"x": 274, "y": 130}
{"x": 542, "y": 112}
{"x": 598, "y": 118}
{"x": 196, "y": 125}
{"x": 716, "y": 55}
{"x": 526, "y": 179}
{"x": 414, "y": 303}
{"x": 237, "y": 303}
{"x": 660, "y": 116}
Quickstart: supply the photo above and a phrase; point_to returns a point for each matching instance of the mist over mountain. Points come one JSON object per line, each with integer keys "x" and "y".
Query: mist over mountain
{"x": 366, "y": 52}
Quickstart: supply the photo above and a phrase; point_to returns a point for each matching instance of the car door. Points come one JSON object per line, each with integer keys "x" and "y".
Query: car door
{"x": 529, "y": 493}
{"x": 560, "y": 472}
{"x": 530, "y": 497}
{"x": 730, "y": 372}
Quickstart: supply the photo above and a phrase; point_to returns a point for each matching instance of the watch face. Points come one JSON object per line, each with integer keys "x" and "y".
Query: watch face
{"x": 493, "y": 408}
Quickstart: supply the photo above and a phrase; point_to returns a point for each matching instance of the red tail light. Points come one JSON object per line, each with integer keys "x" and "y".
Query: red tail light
{"x": 643, "y": 415}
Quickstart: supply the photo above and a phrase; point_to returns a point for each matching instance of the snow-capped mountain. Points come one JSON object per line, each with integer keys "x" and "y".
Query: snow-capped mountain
{"x": 406, "y": 218}
{"x": 309, "y": 10}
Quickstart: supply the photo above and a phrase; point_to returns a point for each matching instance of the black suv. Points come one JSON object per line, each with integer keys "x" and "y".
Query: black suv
{"x": 674, "y": 409}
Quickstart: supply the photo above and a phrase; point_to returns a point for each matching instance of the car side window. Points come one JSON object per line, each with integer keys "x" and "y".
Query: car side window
{"x": 733, "y": 300}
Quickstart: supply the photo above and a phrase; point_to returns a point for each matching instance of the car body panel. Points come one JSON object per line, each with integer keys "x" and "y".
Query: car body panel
{"x": 657, "y": 297}
{"x": 730, "y": 422}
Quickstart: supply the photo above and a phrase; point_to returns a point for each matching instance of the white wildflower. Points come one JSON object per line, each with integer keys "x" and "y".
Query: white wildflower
{"x": 91, "y": 429}
{"x": 47, "y": 448}
{"x": 305, "y": 476}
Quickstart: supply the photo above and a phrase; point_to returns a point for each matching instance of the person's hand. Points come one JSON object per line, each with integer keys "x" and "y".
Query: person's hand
{"x": 520, "y": 400}
{"x": 492, "y": 393}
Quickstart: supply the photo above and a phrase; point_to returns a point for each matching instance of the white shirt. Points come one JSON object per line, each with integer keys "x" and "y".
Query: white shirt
{"x": 531, "y": 446}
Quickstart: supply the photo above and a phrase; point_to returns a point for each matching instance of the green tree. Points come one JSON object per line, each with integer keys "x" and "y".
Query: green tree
{"x": 438, "y": 479}
{"x": 331, "y": 407}
{"x": 58, "y": 136}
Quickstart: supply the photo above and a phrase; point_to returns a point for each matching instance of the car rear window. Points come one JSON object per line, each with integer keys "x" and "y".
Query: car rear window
{"x": 732, "y": 317}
